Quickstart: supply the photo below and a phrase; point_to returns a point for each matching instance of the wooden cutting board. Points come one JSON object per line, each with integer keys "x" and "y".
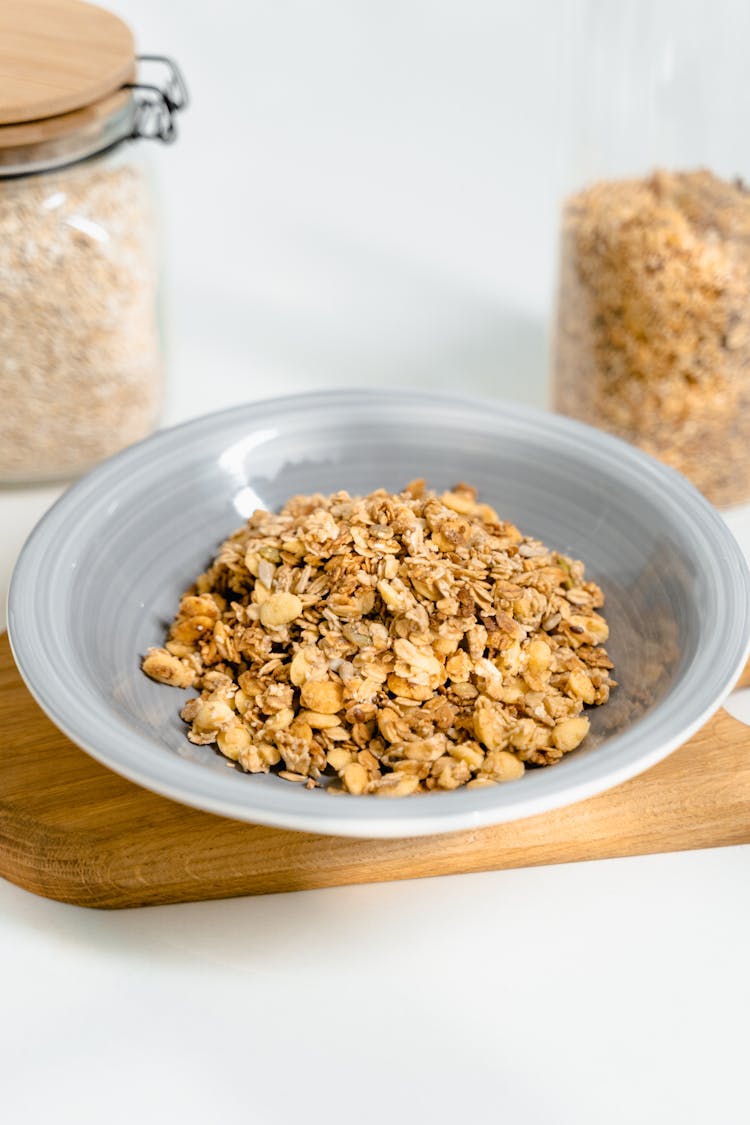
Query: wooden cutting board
{"x": 72, "y": 830}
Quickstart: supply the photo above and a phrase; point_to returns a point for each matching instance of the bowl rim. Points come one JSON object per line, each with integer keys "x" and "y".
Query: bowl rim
{"x": 104, "y": 735}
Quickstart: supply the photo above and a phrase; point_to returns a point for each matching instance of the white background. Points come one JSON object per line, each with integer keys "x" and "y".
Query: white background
{"x": 366, "y": 193}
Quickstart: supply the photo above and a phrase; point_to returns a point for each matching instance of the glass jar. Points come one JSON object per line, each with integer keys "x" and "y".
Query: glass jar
{"x": 652, "y": 336}
{"x": 81, "y": 369}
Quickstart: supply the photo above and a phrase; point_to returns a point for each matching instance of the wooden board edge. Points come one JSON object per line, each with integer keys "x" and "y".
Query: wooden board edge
{"x": 90, "y": 869}
{"x": 58, "y": 884}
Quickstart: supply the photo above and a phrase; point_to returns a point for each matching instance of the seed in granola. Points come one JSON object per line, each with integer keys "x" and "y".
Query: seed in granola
{"x": 395, "y": 785}
{"x": 168, "y": 669}
{"x": 280, "y": 609}
{"x": 501, "y": 765}
{"x": 355, "y": 777}
{"x": 580, "y": 684}
{"x": 338, "y": 758}
{"x": 213, "y": 715}
{"x": 326, "y": 697}
{"x": 570, "y": 733}
{"x": 233, "y": 741}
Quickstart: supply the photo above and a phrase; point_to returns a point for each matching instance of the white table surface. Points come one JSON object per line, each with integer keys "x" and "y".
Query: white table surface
{"x": 364, "y": 194}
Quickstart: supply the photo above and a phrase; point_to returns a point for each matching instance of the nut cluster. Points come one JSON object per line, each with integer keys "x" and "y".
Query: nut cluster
{"x": 653, "y": 333}
{"x": 392, "y": 643}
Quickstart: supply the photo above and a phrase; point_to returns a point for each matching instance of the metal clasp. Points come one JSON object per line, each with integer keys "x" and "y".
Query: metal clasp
{"x": 157, "y": 105}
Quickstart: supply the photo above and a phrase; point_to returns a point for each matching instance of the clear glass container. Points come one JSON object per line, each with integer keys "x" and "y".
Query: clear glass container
{"x": 81, "y": 370}
{"x": 652, "y": 337}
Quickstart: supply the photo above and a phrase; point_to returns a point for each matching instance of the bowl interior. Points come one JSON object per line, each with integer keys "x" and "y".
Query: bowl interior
{"x": 148, "y": 522}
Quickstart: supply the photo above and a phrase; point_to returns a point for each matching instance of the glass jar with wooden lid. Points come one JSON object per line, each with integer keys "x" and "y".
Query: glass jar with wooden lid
{"x": 81, "y": 368}
{"x": 653, "y": 312}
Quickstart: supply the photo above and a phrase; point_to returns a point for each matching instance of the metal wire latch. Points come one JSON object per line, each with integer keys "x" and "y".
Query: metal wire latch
{"x": 157, "y": 104}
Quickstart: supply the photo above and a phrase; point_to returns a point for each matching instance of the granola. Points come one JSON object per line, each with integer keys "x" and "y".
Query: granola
{"x": 394, "y": 644}
{"x": 653, "y": 332}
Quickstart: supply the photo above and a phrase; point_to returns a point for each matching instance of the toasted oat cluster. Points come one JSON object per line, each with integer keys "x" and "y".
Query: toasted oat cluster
{"x": 393, "y": 644}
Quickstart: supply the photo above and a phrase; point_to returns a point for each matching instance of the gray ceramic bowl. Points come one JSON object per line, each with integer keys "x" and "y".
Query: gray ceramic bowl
{"x": 102, "y": 573}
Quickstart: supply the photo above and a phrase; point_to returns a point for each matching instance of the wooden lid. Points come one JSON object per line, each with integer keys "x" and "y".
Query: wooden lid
{"x": 57, "y": 56}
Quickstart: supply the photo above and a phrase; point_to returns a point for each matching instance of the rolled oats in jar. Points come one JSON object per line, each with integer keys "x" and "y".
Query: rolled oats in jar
{"x": 81, "y": 369}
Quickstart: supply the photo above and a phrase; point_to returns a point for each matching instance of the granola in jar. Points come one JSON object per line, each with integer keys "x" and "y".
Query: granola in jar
{"x": 653, "y": 323}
